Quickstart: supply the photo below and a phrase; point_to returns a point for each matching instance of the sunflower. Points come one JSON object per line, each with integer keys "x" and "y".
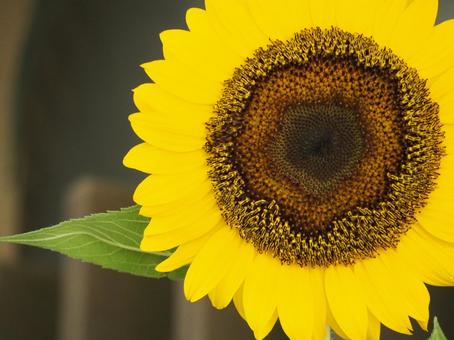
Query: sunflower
{"x": 301, "y": 163}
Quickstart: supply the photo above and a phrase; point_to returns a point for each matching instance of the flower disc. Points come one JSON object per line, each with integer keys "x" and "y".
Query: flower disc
{"x": 323, "y": 148}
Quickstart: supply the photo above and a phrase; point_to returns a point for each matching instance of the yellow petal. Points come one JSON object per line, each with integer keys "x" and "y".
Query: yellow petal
{"x": 161, "y": 189}
{"x": 226, "y": 289}
{"x": 438, "y": 221}
{"x": 147, "y": 158}
{"x": 158, "y": 122}
{"x": 420, "y": 262}
{"x": 447, "y": 111}
{"x": 334, "y": 326}
{"x": 388, "y": 13}
{"x": 436, "y": 53}
{"x": 282, "y": 21}
{"x": 415, "y": 25}
{"x": 212, "y": 46}
{"x": 189, "y": 204}
{"x": 413, "y": 293}
{"x": 183, "y": 217}
{"x": 153, "y": 98}
{"x": 437, "y": 217}
{"x": 346, "y": 301}
{"x": 356, "y": 16}
{"x": 173, "y": 238}
{"x": 261, "y": 334}
{"x": 320, "y": 314}
{"x": 198, "y": 48}
{"x": 184, "y": 254}
{"x": 239, "y": 305}
{"x": 186, "y": 199}
{"x": 373, "y": 330}
{"x": 233, "y": 17}
{"x": 191, "y": 84}
{"x": 211, "y": 263}
{"x": 238, "y": 301}
{"x": 431, "y": 259}
{"x": 442, "y": 87}
{"x": 323, "y": 12}
{"x": 382, "y": 299}
{"x": 296, "y": 305}
{"x": 165, "y": 139}
{"x": 260, "y": 293}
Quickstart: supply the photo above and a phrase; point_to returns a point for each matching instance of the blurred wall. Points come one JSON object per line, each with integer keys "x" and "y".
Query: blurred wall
{"x": 14, "y": 21}
{"x": 446, "y": 10}
{"x": 79, "y": 68}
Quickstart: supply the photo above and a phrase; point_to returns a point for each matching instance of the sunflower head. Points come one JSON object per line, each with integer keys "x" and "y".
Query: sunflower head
{"x": 299, "y": 155}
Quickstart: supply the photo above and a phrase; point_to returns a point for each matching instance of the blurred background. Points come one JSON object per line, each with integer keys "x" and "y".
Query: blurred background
{"x": 67, "y": 68}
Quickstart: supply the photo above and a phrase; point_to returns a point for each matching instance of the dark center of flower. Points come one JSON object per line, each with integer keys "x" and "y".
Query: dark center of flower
{"x": 324, "y": 148}
{"x": 317, "y": 146}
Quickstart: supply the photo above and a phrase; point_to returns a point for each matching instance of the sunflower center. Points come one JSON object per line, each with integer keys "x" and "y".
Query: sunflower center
{"x": 324, "y": 148}
{"x": 317, "y": 146}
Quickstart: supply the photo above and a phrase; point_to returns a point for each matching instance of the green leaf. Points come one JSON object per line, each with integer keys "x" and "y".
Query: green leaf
{"x": 437, "y": 333}
{"x": 110, "y": 240}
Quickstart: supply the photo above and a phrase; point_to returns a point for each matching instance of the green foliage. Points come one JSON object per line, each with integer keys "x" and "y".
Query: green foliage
{"x": 437, "y": 333}
{"x": 110, "y": 240}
